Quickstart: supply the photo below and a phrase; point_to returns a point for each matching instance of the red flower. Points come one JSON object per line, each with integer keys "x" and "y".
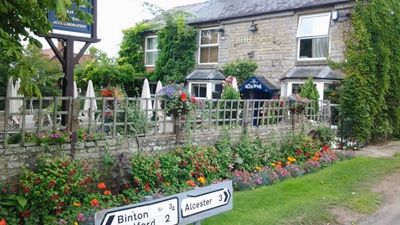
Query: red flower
{"x": 3, "y": 222}
{"x": 106, "y": 93}
{"x": 25, "y": 214}
{"x": 147, "y": 187}
{"x": 72, "y": 172}
{"x": 51, "y": 184}
{"x": 325, "y": 148}
{"x": 25, "y": 189}
{"x": 183, "y": 97}
{"x": 193, "y": 100}
{"x": 107, "y": 192}
{"x": 95, "y": 203}
{"x": 101, "y": 186}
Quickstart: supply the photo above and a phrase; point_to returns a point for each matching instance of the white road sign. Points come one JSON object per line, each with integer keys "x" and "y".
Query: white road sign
{"x": 155, "y": 213}
{"x": 192, "y": 205}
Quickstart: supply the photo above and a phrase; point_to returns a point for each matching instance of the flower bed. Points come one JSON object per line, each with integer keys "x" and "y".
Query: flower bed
{"x": 64, "y": 191}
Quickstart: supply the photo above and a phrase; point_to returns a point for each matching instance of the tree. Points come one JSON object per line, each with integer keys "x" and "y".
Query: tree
{"x": 21, "y": 19}
{"x": 106, "y": 72}
{"x": 38, "y": 74}
{"x": 310, "y": 92}
{"x": 241, "y": 69}
{"x": 177, "y": 45}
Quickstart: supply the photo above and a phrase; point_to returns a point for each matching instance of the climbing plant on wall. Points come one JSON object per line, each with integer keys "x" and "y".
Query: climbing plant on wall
{"x": 370, "y": 104}
{"x": 177, "y": 45}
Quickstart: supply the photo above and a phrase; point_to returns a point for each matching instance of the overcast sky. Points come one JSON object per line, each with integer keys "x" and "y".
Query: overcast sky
{"x": 116, "y": 15}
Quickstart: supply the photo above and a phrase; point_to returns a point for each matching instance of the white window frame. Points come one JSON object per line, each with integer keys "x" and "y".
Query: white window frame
{"x": 208, "y": 45}
{"x": 199, "y": 83}
{"x": 147, "y": 50}
{"x": 299, "y": 37}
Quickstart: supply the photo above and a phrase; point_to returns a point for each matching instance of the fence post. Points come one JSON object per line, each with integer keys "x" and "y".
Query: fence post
{"x": 74, "y": 124}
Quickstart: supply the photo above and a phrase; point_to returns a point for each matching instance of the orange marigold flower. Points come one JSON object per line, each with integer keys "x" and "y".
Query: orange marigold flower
{"x": 107, "y": 192}
{"x": 101, "y": 186}
{"x": 76, "y": 204}
{"x": 201, "y": 180}
{"x": 95, "y": 203}
{"x": 3, "y": 222}
{"x": 315, "y": 158}
{"x": 191, "y": 183}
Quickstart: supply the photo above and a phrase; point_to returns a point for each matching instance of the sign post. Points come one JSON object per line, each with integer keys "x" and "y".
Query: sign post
{"x": 183, "y": 208}
{"x": 66, "y": 55}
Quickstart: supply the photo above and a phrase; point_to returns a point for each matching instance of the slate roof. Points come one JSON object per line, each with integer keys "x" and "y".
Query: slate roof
{"x": 217, "y": 10}
{"x": 317, "y": 72}
{"x": 203, "y": 74}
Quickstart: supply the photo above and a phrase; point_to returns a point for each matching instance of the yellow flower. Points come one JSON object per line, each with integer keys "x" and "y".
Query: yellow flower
{"x": 258, "y": 168}
{"x": 202, "y": 180}
{"x": 76, "y": 223}
{"x": 273, "y": 164}
{"x": 77, "y": 204}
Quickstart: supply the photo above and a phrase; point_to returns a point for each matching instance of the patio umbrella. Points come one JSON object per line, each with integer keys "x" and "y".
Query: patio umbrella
{"x": 145, "y": 102}
{"x": 234, "y": 84}
{"x": 90, "y": 102}
{"x": 75, "y": 90}
{"x": 157, "y": 104}
{"x": 11, "y": 93}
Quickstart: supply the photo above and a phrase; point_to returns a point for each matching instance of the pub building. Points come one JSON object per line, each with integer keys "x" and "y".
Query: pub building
{"x": 290, "y": 40}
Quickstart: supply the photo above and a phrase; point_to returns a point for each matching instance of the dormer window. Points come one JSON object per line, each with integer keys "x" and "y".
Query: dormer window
{"x": 151, "y": 51}
{"x": 313, "y": 37}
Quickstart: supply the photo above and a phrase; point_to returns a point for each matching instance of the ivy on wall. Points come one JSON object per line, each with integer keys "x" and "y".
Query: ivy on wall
{"x": 370, "y": 104}
{"x": 132, "y": 46}
{"x": 177, "y": 46}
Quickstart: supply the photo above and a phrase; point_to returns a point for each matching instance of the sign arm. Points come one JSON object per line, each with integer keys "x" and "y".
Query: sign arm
{"x": 56, "y": 50}
{"x": 79, "y": 55}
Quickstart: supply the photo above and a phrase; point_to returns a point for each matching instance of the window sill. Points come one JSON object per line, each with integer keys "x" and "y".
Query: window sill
{"x": 311, "y": 62}
{"x": 207, "y": 66}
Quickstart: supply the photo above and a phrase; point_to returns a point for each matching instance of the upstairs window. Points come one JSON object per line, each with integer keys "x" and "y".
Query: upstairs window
{"x": 208, "y": 46}
{"x": 313, "y": 36}
{"x": 151, "y": 51}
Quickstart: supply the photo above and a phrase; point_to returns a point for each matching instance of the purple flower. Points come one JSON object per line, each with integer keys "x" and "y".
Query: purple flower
{"x": 80, "y": 217}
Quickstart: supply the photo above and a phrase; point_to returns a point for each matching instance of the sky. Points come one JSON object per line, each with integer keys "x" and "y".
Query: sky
{"x": 117, "y": 15}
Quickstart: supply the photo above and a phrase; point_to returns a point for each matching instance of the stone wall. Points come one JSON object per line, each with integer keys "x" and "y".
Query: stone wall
{"x": 15, "y": 157}
{"x": 274, "y": 45}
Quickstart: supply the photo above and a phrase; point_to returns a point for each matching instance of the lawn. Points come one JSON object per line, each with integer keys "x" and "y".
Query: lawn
{"x": 308, "y": 199}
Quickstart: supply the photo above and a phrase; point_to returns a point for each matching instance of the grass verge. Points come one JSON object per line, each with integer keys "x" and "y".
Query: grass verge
{"x": 308, "y": 199}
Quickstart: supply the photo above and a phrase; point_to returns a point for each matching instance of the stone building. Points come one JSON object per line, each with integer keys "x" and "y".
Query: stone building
{"x": 289, "y": 39}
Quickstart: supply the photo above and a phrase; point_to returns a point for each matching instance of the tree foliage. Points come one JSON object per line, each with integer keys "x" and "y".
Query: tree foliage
{"x": 106, "y": 72}
{"x": 310, "y": 92}
{"x": 19, "y": 19}
{"x": 370, "y": 106}
{"x": 241, "y": 69}
{"x": 177, "y": 45}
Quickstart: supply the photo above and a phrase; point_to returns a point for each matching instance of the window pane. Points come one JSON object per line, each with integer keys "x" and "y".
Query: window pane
{"x": 151, "y": 58}
{"x": 203, "y": 91}
{"x": 213, "y": 55}
{"x": 199, "y": 90}
{"x": 209, "y": 37}
{"x": 314, "y": 48}
{"x": 204, "y": 53}
{"x": 314, "y": 26}
{"x": 151, "y": 43}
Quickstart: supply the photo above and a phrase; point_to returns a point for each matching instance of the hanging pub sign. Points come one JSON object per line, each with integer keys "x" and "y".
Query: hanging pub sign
{"x": 74, "y": 24}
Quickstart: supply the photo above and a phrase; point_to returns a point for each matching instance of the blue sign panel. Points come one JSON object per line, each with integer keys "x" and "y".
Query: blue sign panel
{"x": 74, "y": 24}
